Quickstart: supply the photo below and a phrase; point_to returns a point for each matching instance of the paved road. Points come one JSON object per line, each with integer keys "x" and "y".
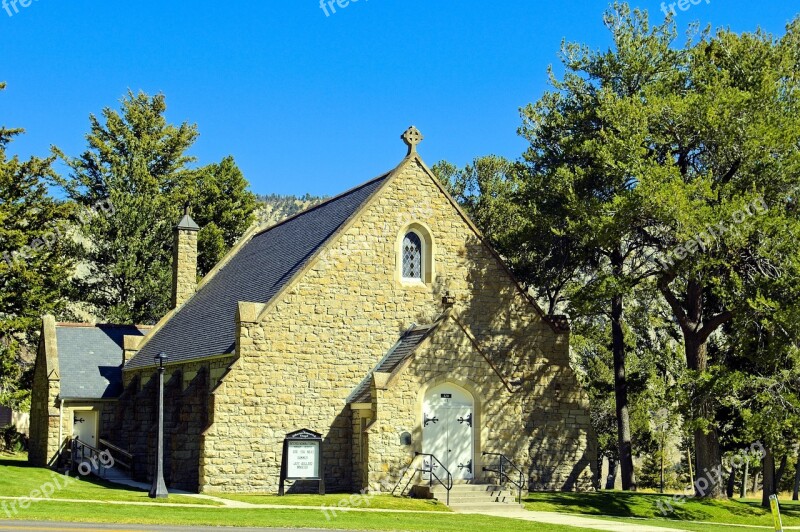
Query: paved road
{"x": 42, "y": 526}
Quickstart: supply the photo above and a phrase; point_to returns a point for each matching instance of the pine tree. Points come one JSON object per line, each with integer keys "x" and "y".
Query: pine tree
{"x": 224, "y": 208}
{"x": 36, "y": 262}
{"x": 137, "y": 166}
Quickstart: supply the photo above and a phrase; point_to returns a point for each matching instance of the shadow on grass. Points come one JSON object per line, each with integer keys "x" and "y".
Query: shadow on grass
{"x": 652, "y": 505}
{"x": 22, "y": 463}
{"x": 789, "y": 509}
{"x": 13, "y": 460}
{"x": 616, "y": 504}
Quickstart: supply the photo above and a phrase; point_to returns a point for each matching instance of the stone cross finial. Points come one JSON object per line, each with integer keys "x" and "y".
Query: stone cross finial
{"x": 412, "y": 137}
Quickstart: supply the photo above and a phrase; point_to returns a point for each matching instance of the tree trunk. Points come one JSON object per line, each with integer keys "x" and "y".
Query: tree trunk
{"x": 779, "y": 474}
{"x": 743, "y": 491}
{"x": 661, "y": 458}
{"x": 755, "y": 482}
{"x": 731, "y": 482}
{"x": 621, "y": 382}
{"x": 708, "y": 461}
{"x": 598, "y": 479}
{"x": 612, "y": 474}
{"x": 696, "y": 329}
{"x": 796, "y": 491}
{"x": 769, "y": 476}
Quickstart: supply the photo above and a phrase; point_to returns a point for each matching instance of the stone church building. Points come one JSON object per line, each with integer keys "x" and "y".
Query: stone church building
{"x": 380, "y": 319}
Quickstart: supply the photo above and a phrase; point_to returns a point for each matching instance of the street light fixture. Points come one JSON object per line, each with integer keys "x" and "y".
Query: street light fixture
{"x": 159, "y": 489}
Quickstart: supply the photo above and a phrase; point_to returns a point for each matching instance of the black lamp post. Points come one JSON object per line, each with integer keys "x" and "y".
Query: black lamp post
{"x": 159, "y": 488}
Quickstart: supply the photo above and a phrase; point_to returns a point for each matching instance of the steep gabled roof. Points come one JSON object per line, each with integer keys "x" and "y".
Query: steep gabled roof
{"x": 90, "y": 359}
{"x": 206, "y": 324}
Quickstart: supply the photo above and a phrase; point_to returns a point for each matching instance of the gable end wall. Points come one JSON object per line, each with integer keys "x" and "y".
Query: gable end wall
{"x": 322, "y": 336}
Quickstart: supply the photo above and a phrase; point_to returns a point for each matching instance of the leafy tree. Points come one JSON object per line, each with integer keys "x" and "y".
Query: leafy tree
{"x": 36, "y": 262}
{"x": 531, "y": 236}
{"x": 671, "y": 151}
{"x": 224, "y": 208}
{"x": 585, "y": 137}
{"x": 136, "y": 163}
{"x": 721, "y": 137}
{"x": 758, "y": 374}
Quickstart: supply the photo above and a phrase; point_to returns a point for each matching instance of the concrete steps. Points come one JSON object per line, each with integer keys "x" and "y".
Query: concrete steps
{"x": 473, "y": 496}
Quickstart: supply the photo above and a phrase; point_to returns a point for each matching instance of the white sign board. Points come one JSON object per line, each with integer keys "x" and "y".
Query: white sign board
{"x": 303, "y": 459}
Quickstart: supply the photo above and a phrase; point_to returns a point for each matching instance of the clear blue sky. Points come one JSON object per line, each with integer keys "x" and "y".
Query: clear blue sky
{"x": 307, "y": 102}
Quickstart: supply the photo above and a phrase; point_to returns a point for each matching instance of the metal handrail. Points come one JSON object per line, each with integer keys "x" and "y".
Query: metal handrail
{"x": 449, "y": 484}
{"x": 500, "y": 471}
{"x": 112, "y": 447}
{"x": 402, "y": 476}
{"x": 128, "y": 464}
{"x": 83, "y": 446}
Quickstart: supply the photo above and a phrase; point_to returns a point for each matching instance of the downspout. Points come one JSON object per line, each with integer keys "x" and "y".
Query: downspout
{"x": 60, "y": 422}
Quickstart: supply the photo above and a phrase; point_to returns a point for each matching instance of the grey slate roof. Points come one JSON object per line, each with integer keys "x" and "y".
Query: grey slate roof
{"x": 404, "y": 348}
{"x": 206, "y": 324}
{"x": 90, "y": 359}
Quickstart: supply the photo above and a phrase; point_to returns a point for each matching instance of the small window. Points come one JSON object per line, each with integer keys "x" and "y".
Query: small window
{"x": 414, "y": 265}
{"x": 412, "y": 256}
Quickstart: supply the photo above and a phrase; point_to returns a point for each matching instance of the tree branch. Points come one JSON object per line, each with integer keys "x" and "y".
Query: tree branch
{"x": 672, "y": 300}
{"x": 714, "y": 323}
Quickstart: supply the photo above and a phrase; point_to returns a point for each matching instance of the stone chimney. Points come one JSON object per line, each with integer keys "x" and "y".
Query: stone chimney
{"x": 130, "y": 346}
{"x": 184, "y": 260}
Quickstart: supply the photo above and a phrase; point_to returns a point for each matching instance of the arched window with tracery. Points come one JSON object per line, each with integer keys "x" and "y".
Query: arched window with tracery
{"x": 412, "y": 256}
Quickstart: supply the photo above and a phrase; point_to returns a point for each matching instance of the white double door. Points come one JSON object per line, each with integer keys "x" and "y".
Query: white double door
{"x": 448, "y": 432}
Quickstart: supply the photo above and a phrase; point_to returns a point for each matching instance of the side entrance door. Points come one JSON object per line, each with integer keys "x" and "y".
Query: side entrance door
{"x": 448, "y": 431}
{"x": 84, "y": 426}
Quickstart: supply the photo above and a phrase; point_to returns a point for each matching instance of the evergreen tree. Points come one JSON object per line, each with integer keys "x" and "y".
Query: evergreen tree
{"x": 224, "y": 208}
{"x": 720, "y": 146}
{"x": 137, "y": 165}
{"x": 36, "y": 262}
{"x": 651, "y": 160}
{"x": 582, "y": 171}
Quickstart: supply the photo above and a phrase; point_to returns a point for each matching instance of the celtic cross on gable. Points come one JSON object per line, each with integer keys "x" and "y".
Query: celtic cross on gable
{"x": 412, "y": 137}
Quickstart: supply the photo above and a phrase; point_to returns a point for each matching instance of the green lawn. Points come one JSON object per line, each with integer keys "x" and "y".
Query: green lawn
{"x": 644, "y": 505}
{"x": 384, "y": 502}
{"x": 691, "y": 526}
{"x": 18, "y": 479}
{"x": 412, "y": 522}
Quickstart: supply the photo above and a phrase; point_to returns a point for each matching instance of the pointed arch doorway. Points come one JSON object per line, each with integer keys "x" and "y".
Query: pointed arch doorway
{"x": 448, "y": 429}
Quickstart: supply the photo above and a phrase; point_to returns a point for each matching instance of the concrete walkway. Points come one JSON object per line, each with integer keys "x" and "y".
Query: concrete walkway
{"x": 225, "y": 504}
{"x": 516, "y": 512}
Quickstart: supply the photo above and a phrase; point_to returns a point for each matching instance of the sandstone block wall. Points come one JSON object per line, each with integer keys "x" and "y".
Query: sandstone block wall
{"x": 300, "y": 361}
{"x": 513, "y": 418}
{"x": 187, "y": 390}
{"x": 44, "y": 443}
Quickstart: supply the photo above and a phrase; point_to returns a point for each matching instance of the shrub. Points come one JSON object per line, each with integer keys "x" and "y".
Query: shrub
{"x": 11, "y": 440}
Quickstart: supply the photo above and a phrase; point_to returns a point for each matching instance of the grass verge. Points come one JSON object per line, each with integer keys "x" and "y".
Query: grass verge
{"x": 18, "y": 479}
{"x": 155, "y": 515}
{"x": 645, "y": 506}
